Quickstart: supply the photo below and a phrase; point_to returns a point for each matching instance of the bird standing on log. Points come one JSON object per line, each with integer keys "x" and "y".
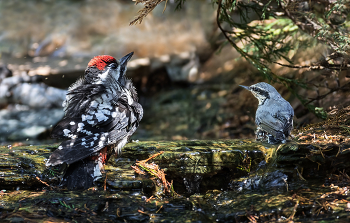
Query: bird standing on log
{"x": 274, "y": 116}
{"x": 101, "y": 113}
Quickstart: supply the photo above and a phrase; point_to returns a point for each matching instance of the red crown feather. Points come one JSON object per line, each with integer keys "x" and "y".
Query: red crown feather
{"x": 101, "y": 61}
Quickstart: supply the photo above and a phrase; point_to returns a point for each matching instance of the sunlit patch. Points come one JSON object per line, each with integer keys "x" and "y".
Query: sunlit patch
{"x": 106, "y": 112}
{"x": 97, "y": 172}
{"x": 91, "y": 122}
{"x": 94, "y": 104}
{"x": 80, "y": 127}
{"x": 105, "y": 97}
{"x": 66, "y": 132}
{"x": 100, "y": 116}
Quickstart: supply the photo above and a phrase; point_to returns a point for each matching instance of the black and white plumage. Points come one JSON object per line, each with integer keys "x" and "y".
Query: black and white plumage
{"x": 101, "y": 113}
{"x": 274, "y": 116}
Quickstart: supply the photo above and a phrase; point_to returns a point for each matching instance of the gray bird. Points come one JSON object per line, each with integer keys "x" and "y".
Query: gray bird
{"x": 274, "y": 116}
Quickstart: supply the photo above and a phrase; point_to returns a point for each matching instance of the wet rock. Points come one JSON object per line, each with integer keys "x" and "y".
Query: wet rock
{"x": 26, "y": 133}
{"x": 275, "y": 180}
{"x": 38, "y": 95}
{"x": 19, "y": 166}
{"x": 19, "y": 124}
{"x": 183, "y": 67}
{"x": 4, "y": 72}
{"x": 30, "y": 107}
{"x": 27, "y": 91}
{"x": 193, "y": 183}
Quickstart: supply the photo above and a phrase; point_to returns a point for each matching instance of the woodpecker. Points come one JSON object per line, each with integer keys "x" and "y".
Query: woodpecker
{"x": 274, "y": 116}
{"x": 101, "y": 113}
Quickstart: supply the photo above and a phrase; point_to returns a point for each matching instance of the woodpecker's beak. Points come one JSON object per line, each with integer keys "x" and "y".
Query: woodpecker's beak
{"x": 246, "y": 87}
{"x": 124, "y": 60}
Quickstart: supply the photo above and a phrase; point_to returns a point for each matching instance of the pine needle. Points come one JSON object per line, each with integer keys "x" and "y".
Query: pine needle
{"x": 149, "y": 5}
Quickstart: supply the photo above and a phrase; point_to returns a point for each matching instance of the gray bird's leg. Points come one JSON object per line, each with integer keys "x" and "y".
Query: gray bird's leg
{"x": 261, "y": 135}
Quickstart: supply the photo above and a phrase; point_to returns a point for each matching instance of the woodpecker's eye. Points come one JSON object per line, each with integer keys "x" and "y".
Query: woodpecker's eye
{"x": 113, "y": 66}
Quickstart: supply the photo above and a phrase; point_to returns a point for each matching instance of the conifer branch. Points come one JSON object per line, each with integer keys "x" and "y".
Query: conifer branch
{"x": 149, "y": 5}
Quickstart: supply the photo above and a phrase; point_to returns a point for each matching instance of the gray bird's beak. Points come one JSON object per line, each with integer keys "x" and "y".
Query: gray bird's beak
{"x": 245, "y": 87}
{"x": 124, "y": 60}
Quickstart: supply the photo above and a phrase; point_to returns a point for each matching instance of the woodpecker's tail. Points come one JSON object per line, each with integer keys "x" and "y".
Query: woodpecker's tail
{"x": 82, "y": 174}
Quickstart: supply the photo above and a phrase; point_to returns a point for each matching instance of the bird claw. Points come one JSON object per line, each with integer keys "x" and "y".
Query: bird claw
{"x": 263, "y": 136}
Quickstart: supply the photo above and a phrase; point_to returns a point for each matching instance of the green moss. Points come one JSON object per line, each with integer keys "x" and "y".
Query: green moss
{"x": 204, "y": 173}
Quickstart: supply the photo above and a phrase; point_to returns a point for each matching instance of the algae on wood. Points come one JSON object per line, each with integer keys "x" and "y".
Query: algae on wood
{"x": 219, "y": 180}
{"x": 19, "y": 166}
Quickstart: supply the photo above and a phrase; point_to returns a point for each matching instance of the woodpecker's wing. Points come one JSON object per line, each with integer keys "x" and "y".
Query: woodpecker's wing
{"x": 71, "y": 151}
{"x": 99, "y": 115}
{"x": 91, "y": 135}
{"x": 80, "y": 98}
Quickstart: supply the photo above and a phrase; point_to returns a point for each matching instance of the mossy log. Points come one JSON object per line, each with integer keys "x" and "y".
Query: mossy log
{"x": 21, "y": 166}
{"x": 217, "y": 180}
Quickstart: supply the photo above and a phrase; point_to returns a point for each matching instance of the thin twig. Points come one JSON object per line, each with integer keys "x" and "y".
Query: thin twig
{"x": 316, "y": 67}
{"x": 43, "y": 182}
{"x": 153, "y": 156}
{"x": 294, "y": 211}
{"x": 105, "y": 183}
{"x": 330, "y": 92}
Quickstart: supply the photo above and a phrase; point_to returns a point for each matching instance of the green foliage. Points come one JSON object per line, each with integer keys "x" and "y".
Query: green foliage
{"x": 246, "y": 163}
{"x": 269, "y": 31}
{"x": 320, "y": 112}
{"x": 66, "y": 205}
